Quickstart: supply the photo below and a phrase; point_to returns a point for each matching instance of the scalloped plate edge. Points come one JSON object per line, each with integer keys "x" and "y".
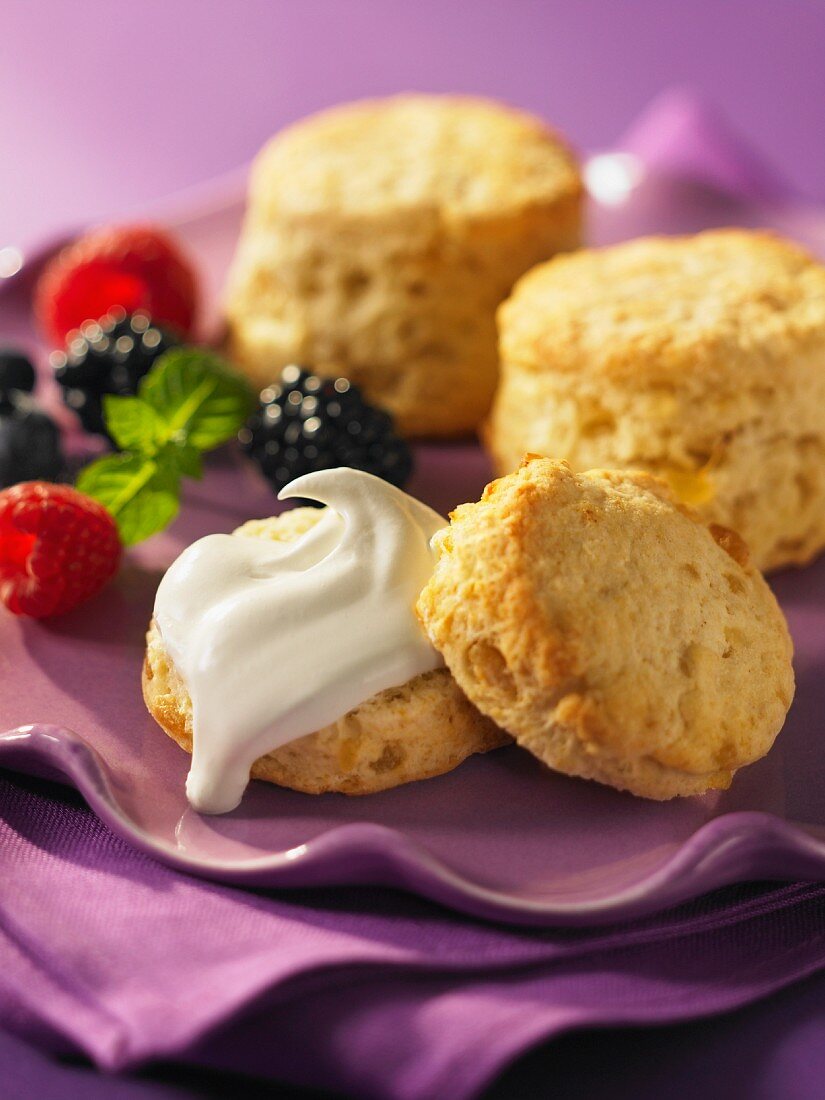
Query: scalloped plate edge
{"x": 732, "y": 848}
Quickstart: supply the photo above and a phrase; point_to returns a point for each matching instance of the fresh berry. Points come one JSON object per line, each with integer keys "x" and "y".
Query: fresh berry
{"x": 29, "y": 441}
{"x": 57, "y": 548}
{"x": 107, "y": 356}
{"x": 134, "y": 267}
{"x": 307, "y": 423}
{"x": 16, "y": 371}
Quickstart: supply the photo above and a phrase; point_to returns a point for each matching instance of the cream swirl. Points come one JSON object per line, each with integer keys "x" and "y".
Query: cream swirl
{"x": 276, "y": 640}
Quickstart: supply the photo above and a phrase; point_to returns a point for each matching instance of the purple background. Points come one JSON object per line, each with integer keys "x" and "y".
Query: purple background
{"x": 105, "y": 105}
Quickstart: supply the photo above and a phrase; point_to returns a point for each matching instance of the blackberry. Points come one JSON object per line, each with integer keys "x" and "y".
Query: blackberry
{"x": 107, "y": 356}
{"x": 306, "y": 423}
{"x": 16, "y": 371}
{"x": 29, "y": 442}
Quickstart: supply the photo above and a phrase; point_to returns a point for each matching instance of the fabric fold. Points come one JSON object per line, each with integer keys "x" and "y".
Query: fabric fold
{"x": 374, "y": 993}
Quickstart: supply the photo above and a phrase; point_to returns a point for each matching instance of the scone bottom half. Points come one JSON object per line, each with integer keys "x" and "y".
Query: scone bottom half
{"x": 415, "y": 731}
{"x": 609, "y": 630}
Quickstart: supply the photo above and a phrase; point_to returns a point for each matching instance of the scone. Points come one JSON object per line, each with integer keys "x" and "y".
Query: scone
{"x": 609, "y": 630}
{"x": 701, "y": 359}
{"x": 415, "y": 731}
{"x": 379, "y": 239}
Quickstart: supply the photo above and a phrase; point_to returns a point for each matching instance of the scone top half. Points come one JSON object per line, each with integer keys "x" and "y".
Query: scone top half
{"x": 380, "y": 237}
{"x": 609, "y": 630}
{"x": 457, "y": 157}
{"x": 701, "y": 359}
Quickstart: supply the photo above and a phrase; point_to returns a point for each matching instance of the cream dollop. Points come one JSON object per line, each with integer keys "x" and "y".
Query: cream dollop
{"x": 276, "y": 640}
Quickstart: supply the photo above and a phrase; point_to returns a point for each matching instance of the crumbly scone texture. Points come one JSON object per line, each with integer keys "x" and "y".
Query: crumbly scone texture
{"x": 379, "y": 239}
{"x": 700, "y": 359}
{"x": 421, "y": 729}
{"x": 609, "y": 630}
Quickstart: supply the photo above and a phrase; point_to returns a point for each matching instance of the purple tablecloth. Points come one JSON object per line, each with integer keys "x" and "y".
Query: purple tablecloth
{"x": 773, "y": 1048}
{"x": 104, "y": 951}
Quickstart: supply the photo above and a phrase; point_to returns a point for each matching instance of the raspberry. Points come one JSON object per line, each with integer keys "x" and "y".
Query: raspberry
{"x": 57, "y": 548}
{"x": 134, "y": 267}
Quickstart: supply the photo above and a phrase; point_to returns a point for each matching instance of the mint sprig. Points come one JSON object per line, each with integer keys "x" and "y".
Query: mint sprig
{"x": 190, "y": 402}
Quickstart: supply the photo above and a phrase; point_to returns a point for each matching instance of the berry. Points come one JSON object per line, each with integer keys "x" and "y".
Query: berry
{"x": 16, "y": 371}
{"x": 133, "y": 267}
{"x": 307, "y": 423}
{"x": 107, "y": 356}
{"x": 57, "y": 548}
{"x": 29, "y": 441}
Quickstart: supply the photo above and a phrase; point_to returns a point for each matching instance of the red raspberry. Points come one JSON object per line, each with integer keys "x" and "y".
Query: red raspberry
{"x": 57, "y": 548}
{"x": 136, "y": 267}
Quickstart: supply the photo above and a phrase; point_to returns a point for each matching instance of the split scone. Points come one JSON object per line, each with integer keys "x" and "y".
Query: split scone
{"x": 380, "y": 237}
{"x": 609, "y": 630}
{"x": 700, "y": 359}
{"x": 418, "y": 730}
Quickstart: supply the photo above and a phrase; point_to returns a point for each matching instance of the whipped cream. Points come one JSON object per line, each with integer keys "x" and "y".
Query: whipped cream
{"x": 276, "y": 640}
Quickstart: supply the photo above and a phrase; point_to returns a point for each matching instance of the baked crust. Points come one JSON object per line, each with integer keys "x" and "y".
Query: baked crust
{"x": 700, "y": 359}
{"x": 464, "y": 156}
{"x": 609, "y": 630}
{"x": 380, "y": 238}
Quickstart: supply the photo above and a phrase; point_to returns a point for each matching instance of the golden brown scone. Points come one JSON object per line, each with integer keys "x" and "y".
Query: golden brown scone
{"x": 380, "y": 237}
{"x": 415, "y": 731}
{"x": 700, "y": 359}
{"x": 611, "y": 632}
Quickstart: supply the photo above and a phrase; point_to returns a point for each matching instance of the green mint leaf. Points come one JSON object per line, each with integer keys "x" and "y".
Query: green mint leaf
{"x": 200, "y": 400}
{"x": 183, "y": 457}
{"x": 141, "y": 493}
{"x": 188, "y": 403}
{"x": 134, "y": 425}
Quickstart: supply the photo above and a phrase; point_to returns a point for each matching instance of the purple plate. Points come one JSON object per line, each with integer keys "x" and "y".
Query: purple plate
{"x": 500, "y": 837}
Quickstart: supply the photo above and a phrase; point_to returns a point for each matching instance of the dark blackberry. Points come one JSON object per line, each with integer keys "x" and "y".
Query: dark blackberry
{"x": 16, "y": 371}
{"x": 107, "y": 356}
{"x": 29, "y": 442}
{"x": 306, "y": 423}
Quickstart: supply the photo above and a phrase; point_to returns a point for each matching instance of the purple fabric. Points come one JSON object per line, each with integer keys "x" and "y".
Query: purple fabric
{"x": 773, "y": 1048}
{"x": 684, "y": 136}
{"x": 106, "y": 952}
